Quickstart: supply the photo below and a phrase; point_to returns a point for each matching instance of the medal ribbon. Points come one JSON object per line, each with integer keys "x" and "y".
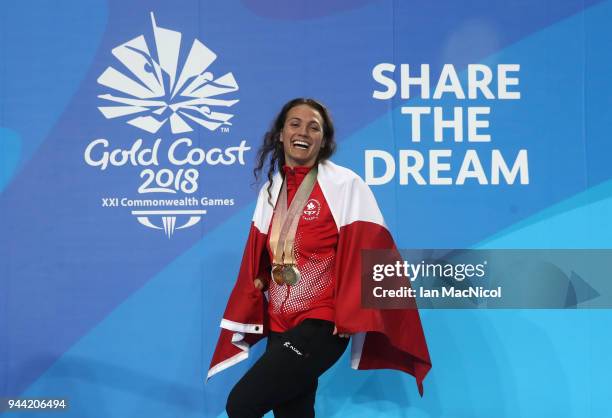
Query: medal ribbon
{"x": 284, "y": 226}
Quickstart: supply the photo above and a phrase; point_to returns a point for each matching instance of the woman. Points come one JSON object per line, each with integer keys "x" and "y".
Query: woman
{"x": 311, "y": 221}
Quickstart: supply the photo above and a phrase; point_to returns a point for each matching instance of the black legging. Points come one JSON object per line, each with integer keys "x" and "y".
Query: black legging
{"x": 285, "y": 378}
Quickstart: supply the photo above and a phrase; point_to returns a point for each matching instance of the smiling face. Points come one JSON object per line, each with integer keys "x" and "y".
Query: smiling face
{"x": 302, "y": 136}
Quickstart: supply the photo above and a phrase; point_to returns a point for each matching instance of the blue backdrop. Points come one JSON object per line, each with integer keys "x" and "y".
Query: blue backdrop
{"x": 116, "y": 306}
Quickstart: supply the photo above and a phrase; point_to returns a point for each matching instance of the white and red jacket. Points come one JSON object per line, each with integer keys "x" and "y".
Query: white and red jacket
{"x": 316, "y": 240}
{"x": 382, "y": 339}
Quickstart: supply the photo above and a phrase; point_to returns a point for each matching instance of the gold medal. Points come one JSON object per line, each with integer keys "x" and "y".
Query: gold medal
{"x": 291, "y": 274}
{"x": 277, "y": 274}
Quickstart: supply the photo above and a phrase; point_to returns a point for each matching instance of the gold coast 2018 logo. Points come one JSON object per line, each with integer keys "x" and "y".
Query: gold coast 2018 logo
{"x": 154, "y": 91}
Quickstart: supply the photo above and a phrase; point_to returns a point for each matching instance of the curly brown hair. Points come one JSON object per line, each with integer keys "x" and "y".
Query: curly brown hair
{"x": 271, "y": 152}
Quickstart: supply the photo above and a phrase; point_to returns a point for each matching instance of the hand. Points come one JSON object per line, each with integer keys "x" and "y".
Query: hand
{"x": 258, "y": 284}
{"x": 340, "y": 335}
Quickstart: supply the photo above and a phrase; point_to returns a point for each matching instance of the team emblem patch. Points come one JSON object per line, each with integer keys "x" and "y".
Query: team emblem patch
{"x": 311, "y": 210}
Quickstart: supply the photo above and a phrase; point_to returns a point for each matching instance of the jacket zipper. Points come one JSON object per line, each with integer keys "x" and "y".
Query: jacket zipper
{"x": 282, "y": 309}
